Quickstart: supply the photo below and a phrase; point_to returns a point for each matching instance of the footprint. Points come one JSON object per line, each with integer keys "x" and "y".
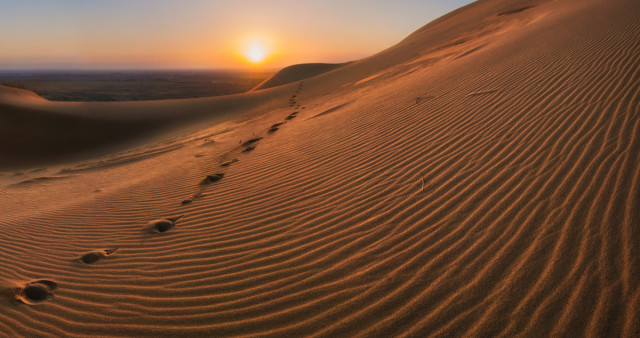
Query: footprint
{"x": 228, "y": 163}
{"x": 163, "y": 225}
{"x": 194, "y": 196}
{"x": 253, "y": 140}
{"x": 248, "y": 149}
{"x": 211, "y": 178}
{"x": 94, "y": 256}
{"x": 206, "y": 142}
{"x": 291, "y": 116}
{"x": 35, "y": 292}
{"x": 514, "y": 11}
{"x": 275, "y": 127}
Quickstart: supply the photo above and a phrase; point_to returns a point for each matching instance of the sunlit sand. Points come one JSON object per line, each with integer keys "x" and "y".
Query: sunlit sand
{"x": 480, "y": 178}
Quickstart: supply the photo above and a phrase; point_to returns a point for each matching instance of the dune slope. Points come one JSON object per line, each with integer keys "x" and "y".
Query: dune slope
{"x": 480, "y": 178}
{"x": 34, "y": 131}
{"x": 297, "y": 73}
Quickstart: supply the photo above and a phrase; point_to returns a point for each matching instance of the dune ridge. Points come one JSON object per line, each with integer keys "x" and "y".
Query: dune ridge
{"x": 481, "y": 183}
{"x": 297, "y": 73}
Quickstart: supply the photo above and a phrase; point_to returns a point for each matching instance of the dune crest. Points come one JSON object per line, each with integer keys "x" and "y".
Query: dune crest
{"x": 12, "y": 94}
{"x": 296, "y": 73}
{"x": 483, "y": 181}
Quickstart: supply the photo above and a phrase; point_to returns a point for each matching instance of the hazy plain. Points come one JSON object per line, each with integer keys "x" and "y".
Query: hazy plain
{"x": 95, "y": 85}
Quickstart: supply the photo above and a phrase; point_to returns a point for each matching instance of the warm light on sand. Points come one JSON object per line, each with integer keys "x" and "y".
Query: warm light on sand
{"x": 481, "y": 177}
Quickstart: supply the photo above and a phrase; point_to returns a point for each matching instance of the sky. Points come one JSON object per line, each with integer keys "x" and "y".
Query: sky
{"x": 204, "y": 34}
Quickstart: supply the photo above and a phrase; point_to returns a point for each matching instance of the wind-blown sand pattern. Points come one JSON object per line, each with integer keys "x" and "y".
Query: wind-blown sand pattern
{"x": 483, "y": 181}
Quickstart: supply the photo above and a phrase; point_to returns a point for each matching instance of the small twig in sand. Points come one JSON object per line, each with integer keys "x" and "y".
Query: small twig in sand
{"x": 422, "y": 182}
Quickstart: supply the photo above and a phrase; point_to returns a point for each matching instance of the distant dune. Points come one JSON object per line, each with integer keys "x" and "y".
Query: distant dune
{"x": 480, "y": 178}
{"x": 297, "y": 73}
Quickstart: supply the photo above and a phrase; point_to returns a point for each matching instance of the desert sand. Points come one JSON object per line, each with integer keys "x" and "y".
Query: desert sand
{"x": 479, "y": 178}
{"x": 297, "y": 73}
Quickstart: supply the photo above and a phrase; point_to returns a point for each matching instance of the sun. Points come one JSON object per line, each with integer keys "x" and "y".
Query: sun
{"x": 256, "y": 52}
{"x": 256, "y": 49}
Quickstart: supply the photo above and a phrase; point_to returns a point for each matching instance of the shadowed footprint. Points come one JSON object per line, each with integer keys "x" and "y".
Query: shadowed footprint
{"x": 291, "y": 116}
{"x": 163, "y": 225}
{"x": 228, "y": 163}
{"x": 211, "y": 178}
{"x": 94, "y": 256}
{"x": 514, "y": 11}
{"x": 251, "y": 141}
{"x": 276, "y": 125}
{"x": 35, "y": 292}
{"x": 194, "y": 196}
{"x": 206, "y": 142}
{"x": 248, "y": 149}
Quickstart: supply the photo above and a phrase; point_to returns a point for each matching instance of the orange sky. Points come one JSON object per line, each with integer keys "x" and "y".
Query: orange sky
{"x": 202, "y": 33}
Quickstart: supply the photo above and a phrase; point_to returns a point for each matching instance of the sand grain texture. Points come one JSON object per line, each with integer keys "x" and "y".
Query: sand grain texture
{"x": 480, "y": 178}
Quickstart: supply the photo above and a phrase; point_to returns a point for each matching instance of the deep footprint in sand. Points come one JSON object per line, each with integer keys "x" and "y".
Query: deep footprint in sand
{"x": 162, "y": 225}
{"x": 275, "y": 127}
{"x": 94, "y": 256}
{"x": 228, "y": 163}
{"x": 292, "y": 116}
{"x": 193, "y": 197}
{"x": 211, "y": 178}
{"x": 35, "y": 292}
{"x": 248, "y": 149}
{"x": 251, "y": 141}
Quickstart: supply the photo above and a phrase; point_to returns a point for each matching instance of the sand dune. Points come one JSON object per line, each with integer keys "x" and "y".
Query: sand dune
{"x": 297, "y": 73}
{"x": 35, "y": 131}
{"x": 480, "y": 178}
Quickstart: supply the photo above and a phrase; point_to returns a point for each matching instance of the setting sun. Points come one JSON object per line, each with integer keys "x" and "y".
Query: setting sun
{"x": 329, "y": 168}
{"x": 255, "y": 52}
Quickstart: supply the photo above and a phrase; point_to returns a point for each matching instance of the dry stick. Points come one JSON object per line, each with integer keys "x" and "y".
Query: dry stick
{"x": 422, "y": 182}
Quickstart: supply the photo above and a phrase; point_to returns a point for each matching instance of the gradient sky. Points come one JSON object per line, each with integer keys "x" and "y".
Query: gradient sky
{"x": 196, "y": 34}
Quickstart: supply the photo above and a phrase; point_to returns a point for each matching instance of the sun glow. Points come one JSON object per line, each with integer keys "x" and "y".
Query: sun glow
{"x": 256, "y": 49}
{"x": 256, "y": 53}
